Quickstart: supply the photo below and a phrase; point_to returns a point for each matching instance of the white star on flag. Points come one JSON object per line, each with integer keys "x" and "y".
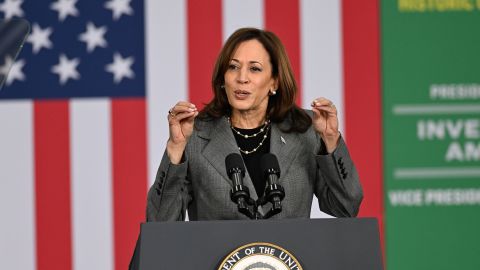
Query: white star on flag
{"x": 119, "y": 7}
{"x": 40, "y": 38}
{"x": 12, "y": 70}
{"x": 66, "y": 69}
{"x": 121, "y": 67}
{"x": 94, "y": 37}
{"x": 11, "y": 8}
{"x": 65, "y": 8}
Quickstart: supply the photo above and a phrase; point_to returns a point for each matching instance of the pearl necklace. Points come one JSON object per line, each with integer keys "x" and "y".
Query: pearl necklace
{"x": 246, "y": 136}
{"x": 265, "y": 128}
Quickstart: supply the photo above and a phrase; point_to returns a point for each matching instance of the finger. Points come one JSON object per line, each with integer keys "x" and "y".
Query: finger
{"x": 174, "y": 119}
{"x": 318, "y": 114}
{"x": 324, "y": 105}
{"x": 181, "y": 108}
{"x": 321, "y": 102}
{"x": 191, "y": 118}
{"x": 186, "y": 104}
{"x": 328, "y": 109}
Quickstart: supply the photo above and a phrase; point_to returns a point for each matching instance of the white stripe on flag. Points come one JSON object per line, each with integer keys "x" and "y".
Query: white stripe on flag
{"x": 17, "y": 189}
{"x": 91, "y": 186}
{"x": 321, "y": 50}
{"x": 167, "y": 79}
{"x": 237, "y": 14}
{"x": 321, "y": 59}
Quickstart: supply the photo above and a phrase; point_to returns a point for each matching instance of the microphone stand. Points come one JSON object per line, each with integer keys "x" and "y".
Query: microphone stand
{"x": 274, "y": 194}
{"x": 239, "y": 194}
{"x": 246, "y": 205}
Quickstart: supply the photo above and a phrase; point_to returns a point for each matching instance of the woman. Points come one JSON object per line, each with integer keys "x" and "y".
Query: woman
{"x": 253, "y": 112}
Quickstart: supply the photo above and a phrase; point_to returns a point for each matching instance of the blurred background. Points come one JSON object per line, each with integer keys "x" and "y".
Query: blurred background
{"x": 83, "y": 116}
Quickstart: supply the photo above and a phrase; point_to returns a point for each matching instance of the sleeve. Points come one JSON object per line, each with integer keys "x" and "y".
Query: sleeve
{"x": 338, "y": 186}
{"x": 170, "y": 195}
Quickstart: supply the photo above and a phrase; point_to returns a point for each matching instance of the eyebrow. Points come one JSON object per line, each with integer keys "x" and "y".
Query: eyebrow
{"x": 250, "y": 62}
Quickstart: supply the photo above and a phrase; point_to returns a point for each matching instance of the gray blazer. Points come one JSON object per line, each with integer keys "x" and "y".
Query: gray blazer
{"x": 201, "y": 185}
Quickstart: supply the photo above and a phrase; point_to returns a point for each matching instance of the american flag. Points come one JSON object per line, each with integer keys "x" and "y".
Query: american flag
{"x": 83, "y": 112}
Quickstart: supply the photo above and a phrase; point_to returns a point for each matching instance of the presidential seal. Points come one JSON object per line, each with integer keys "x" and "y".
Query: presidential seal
{"x": 260, "y": 256}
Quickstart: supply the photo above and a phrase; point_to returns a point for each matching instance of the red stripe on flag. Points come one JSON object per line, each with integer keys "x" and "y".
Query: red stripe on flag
{"x": 52, "y": 185}
{"x": 204, "y": 44}
{"x": 283, "y": 18}
{"x": 129, "y": 175}
{"x": 361, "y": 54}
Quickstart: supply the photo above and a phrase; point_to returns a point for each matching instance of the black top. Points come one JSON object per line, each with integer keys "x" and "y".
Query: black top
{"x": 252, "y": 160}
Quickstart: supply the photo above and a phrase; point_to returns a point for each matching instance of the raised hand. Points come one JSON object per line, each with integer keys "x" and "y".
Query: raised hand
{"x": 180, "y": 124}
{"x": 325, "y": 122}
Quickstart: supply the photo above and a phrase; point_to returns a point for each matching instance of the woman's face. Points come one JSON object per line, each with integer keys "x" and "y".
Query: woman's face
{"x": 248, "y": 78}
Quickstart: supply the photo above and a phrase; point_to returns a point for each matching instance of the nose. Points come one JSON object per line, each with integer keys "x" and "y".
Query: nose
{"x": 242, "y": 76}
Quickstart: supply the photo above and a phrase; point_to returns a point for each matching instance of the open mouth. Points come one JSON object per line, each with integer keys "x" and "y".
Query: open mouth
{"x": 241, "y": 94}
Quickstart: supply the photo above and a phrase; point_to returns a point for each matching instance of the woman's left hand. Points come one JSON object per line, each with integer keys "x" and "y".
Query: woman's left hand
{"x": 325, "y": 122}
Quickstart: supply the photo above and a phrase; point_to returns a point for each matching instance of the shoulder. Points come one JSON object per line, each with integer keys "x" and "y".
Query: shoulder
{"x": 309, "y": 112}
{"x": 296, "y": 120}
{"x": 206, "y": 123}
{"x": 204, "y": 127}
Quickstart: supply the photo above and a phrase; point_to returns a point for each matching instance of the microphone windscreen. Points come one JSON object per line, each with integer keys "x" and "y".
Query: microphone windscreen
{"x": 268, "y": 162}
{"x": 234, "y": 160}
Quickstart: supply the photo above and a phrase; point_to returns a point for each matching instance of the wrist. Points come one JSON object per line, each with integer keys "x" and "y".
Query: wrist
{"x": 331, "y": 142}
{"x": 175, "y": 151}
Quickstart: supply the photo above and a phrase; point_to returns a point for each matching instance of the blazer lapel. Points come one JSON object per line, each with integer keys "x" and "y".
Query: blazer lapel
{"x": 221, "y": 144}
{"x": 285, "y": 146}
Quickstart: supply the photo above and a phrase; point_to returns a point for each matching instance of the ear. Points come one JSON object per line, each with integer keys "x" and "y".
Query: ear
{"x": 274, "y": 84}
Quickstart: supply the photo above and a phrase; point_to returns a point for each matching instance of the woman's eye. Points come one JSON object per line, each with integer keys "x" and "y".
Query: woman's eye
{"x": 232, "y": 67}
{"x": 256, "y": 69}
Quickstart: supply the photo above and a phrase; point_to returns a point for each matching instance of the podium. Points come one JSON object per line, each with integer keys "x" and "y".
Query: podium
{"x": 340, "y": 243}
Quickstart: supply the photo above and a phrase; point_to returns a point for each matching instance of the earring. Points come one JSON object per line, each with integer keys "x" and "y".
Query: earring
{"x": 222, "y": 86}
{"x": 273, "y": 92}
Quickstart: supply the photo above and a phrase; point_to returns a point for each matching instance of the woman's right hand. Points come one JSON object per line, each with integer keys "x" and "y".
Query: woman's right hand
{"x": 180, "y": 125}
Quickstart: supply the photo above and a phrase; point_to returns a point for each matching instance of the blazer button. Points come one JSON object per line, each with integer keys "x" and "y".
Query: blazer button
{"x": 340, "y": 161}
{"x": 344, "y": 175}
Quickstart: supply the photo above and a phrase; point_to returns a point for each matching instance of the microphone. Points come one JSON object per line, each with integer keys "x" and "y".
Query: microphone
{"x": 239, "y": 193}
{"x": 235, "y": 168}
{"x": 274, "y": 192}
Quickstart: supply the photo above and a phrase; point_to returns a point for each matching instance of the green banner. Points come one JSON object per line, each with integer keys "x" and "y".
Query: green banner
{"x": 431, "y": 123}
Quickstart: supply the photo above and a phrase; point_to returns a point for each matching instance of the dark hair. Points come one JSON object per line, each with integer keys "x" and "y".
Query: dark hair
{"x": 281, "y": 105}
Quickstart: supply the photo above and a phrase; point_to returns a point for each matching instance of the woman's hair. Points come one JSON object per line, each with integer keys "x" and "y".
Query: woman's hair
{"x": 281, "y": 105}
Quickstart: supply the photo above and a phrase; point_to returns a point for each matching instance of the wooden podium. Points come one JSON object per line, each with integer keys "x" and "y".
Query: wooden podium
{"x": 337, "y": 243}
